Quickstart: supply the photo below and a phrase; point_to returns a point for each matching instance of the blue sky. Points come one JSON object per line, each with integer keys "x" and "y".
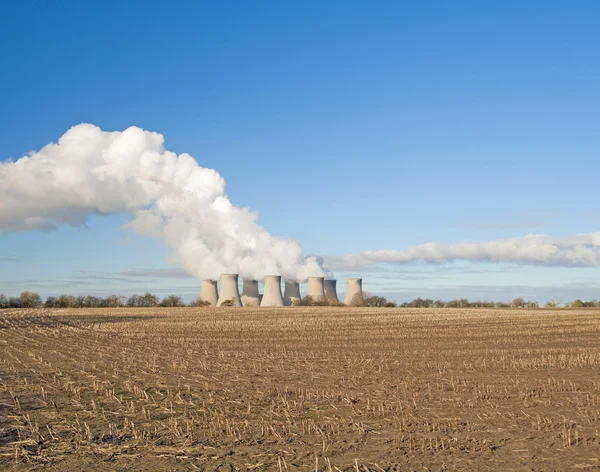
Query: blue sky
{"x": 348, "y": 126}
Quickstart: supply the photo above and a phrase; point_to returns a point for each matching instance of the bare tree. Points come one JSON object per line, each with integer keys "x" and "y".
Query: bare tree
{"x": 554, "y": 303}
{"x": 198, "y": 302}
{"x": 172, "y": 301}
{"x": 79, "y": 302}
{"x": 133, "y": 301}
{"x": 359, "y": 299}
{"x": 30, "y": 299}
{"x": 51, "y": 302}
{"x": 518, "y": 303}
{"x": 575, "y": 304}
{"x": 113, "y": 301}
{"x": 149, "y": 300}
{"x": 66, "y": 301}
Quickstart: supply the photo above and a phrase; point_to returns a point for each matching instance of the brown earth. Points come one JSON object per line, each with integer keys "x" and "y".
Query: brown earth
{"x": 327, "y": 389}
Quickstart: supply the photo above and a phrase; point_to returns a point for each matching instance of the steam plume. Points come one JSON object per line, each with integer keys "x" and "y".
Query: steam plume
{"x": 534, "y": 249}
{"x": 90, "y": 171}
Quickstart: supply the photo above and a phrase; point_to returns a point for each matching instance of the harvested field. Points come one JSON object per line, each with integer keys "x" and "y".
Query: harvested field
{"x": 350, "y": 389}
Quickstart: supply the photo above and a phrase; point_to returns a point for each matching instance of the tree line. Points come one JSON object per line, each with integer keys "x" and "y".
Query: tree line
{"x": 376, "y": 301}
{"x": 34, "y": 300}
{"x": 29, "y": 299}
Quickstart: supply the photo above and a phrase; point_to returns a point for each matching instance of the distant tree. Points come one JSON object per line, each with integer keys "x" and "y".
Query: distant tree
{"x": 482, "y": 304}
{"x": 172, "y": 301}
{"x": 375, "y": 301}
{"x": 15, "y": 302}
{"x": 518, "y": 303}
{"x": 575, "y": 304}
{"x": 530, "y": 304}
{"x": 230, "y": 302}
{"x": 359, "y": 299}
{"x": 113, "y": 301}
{"x": 149, "y": 300}
{"x": 330, "y": 300}
{"x": 30, "y": 299}
{"x": 308, "y": 300}
{"x": 79, "y": 302}
{"x": 133, "y": 301}
{"x": 199, "y": 302}
{"x": 422, "y": 303}
{"x": 416, "y": 303}
{"x": 51, "y": 302}
{"x": 439, "y": 304}
{"x": 66, "y": 301}
{"x": 92, "y": 301}
{"x": 3, "y": 301}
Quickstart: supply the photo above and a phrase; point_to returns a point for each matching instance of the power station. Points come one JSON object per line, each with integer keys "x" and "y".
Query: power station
{"x": 318, "y": 288}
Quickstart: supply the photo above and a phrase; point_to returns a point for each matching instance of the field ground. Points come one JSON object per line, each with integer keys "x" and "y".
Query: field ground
{"x": 299, "y": 389}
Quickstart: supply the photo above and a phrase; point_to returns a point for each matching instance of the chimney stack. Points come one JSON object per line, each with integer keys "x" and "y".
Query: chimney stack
{"x": 229, "y": 290}
{"x": 291, "y": 295}
{"x": 250, "y": 295}
{"x": 353, "y": 287}
{"x": 209, "y": 291}
{"x": 272, "y": 293}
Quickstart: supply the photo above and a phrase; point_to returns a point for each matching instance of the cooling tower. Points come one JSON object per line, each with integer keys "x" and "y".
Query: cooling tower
{"x": 353, "y": 287}
{"x": 272, "y": 293}
{"x": 209, "y": 292}
{"x": 330, "y": 288}
{"x": 250, "y": 295}
{"x": 315, "y": 288}
{"x": 291, "y": 295}
{"x": 229, "y": 290}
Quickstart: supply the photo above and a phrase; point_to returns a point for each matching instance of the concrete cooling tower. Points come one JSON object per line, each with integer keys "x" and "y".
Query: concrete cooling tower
{"x": 272, "y": 293}
{"x": 209, "y": 292}
{"x": 353, "y": 287}
{"x": 291, "y": 295}
{"x": 229, "y": 290}
{"x": 330, "y": 289}
{"x": 250, "y": 295}
{"x": 315, "y": 288}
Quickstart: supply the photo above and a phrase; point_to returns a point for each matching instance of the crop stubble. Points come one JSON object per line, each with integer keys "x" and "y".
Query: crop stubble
{"x": 300, "y": 389}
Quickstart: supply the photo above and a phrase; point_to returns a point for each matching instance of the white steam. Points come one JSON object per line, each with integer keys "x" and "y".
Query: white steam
{"x": 534, "y": 249}
{"x": 90, "y": 171}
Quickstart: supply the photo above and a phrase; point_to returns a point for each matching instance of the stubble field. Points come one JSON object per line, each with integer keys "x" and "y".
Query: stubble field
{"x": 327, "y": 389}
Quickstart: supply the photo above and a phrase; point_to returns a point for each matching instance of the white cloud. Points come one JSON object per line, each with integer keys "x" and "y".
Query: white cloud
{"x": 90, "y": 171}
{"x": 534, "y": 249}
